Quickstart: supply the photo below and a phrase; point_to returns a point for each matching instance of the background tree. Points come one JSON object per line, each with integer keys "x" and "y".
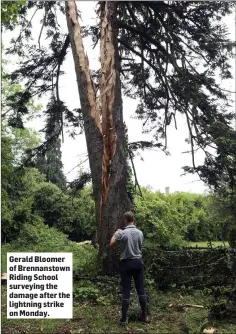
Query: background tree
{"x": 222, "y": 210}
{"x": 174, "y": 219}
{"x": 49, "y": 161}
{"x": 28, "y": 200}
{"x": 70, "y": 214}
{"x": 18, "y": 183}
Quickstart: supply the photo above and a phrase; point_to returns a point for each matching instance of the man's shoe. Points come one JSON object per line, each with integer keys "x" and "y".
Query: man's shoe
{"x": 145, "y": 319}
{"x": 122, "y": 322}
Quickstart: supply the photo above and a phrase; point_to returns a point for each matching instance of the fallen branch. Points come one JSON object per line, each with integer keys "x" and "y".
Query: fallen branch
{"x": 193, "y": 305}
{"x": 4, "y": 278}
{"x": 43, "y": 24}
{"x": 182, "y": 306}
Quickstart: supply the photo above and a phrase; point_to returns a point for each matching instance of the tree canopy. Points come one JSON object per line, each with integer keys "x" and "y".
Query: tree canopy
{"x": 175, "y": 47}
{"x": 10, "y": 11}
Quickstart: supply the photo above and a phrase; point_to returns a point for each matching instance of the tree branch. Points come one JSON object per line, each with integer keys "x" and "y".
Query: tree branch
{"x": 44, "y": 21}
{"x": 135, "y": 175}
{"x": 61, "y": 58}
{"x": 25, "y": 27}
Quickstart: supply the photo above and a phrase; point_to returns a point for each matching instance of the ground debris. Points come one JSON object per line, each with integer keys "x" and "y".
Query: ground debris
{"x": 4, "y": 278}
{"x": 210, "y": 330}
{"x": 62, "y": 330}
{"x": 184, "y": 307}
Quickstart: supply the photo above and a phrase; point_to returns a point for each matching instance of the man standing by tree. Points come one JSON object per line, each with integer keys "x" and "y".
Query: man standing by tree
{"x": 131, "y": 265}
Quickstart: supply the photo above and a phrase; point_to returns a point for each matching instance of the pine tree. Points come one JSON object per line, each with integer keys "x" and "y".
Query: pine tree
{"x": 49, "y": 162}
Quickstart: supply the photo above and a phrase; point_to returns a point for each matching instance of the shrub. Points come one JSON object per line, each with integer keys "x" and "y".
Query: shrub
{"x": 189, "y": 267}
{"x": 41, "y": 238}
{"x": 38, "y": 237}
{"x": 97, "y": 292}
{"x": 85, "y": 259}
{"x": 86, "y": 293}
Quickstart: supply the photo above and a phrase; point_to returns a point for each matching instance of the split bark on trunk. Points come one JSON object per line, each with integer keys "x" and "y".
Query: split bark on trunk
{"x": 105, "y": 142}
{"x": 88, "y": 101}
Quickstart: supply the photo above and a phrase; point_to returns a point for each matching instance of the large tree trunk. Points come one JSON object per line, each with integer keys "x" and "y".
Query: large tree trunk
{"x": 115, "y": 199}
{"x": 88, "y": 101}
{"x": 105, "y": 142}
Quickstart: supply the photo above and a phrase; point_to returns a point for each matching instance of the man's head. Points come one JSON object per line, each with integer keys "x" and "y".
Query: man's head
{"x": 128, "y": 218}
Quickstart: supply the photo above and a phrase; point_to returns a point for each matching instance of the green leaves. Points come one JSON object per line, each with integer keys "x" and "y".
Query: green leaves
{"x": 10, "y": 11}
{"x": 170, "y": 220}
{"x": 86, "y": 293}
{"x": 74, "y": 216}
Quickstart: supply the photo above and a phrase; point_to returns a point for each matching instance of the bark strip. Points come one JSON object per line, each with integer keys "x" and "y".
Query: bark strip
{"x": 89, "y": 101}
{"x": 108, "y": 88}
{"x": 84, "y": 63}
{"x": 114, "y": 199}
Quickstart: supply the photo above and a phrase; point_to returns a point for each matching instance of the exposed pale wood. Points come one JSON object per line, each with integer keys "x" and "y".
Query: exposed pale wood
{"x": 108, "y": 89}
{"x": 185, "y": 305}
{"x": 84, "y": 63}
{"x": 4, "y": 278}
{"x": 210, "y": 330}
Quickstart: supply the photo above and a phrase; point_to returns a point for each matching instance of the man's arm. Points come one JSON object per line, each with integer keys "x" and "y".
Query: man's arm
{"x": 113, "y": 241}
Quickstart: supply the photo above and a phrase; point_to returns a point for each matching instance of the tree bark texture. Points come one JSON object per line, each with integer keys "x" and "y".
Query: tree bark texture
{"x": 105, "y": 139}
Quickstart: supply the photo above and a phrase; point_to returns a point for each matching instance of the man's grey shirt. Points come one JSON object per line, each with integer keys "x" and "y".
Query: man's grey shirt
{"x": 130, "y": 240}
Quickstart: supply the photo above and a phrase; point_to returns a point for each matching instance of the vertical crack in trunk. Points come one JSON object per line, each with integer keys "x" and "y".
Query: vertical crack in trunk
{"x": 105, "y": 142}
{"x": 108, "y": 88}
{"x": 114, "y": 199}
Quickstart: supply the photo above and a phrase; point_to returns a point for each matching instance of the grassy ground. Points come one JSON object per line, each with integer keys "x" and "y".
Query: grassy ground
{"x": 102, "y": 316}
{"x": 205, "y": 244}
{"x": 90, "y": 318}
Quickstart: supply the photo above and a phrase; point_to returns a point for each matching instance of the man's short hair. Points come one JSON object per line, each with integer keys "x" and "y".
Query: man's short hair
{"x": 129, "y": 216}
